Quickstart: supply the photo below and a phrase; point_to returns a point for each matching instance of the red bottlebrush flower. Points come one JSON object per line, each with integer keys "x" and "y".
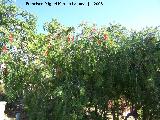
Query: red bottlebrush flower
{"x": 105, "y": 37}
{"x": 68, "y": 38}
{"x": 11, "y": 38}
{"x": 94, "y": 29}
{"x": 110, "y": 104}
{"x": 4, "y": 49}
{"x": 72, "y": 38}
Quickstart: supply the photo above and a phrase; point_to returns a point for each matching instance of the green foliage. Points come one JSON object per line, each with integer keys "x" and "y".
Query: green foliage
{"x": 61, "y": 75}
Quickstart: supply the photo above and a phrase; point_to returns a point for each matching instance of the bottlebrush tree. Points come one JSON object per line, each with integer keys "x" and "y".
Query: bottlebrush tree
{"x": 63, "y": 75}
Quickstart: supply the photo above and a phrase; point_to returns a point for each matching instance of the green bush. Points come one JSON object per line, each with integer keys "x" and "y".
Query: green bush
{"x": 59, "y": 75}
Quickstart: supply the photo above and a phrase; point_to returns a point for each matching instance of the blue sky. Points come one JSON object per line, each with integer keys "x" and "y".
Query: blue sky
{"x": 135, "y": 14}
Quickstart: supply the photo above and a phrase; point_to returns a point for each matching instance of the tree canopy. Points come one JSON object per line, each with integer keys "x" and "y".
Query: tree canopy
{"x": 62, "y": 74}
